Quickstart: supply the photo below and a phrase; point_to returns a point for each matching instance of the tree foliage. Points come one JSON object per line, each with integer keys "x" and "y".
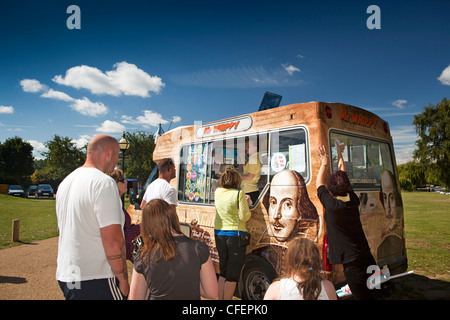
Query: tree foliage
{"x": 433, "y": 129}
{"x": 139, "y": 156}
{"x": 62, "y": 157}
{"x": 16, "y": 161}
{"x": 411, "y": 175}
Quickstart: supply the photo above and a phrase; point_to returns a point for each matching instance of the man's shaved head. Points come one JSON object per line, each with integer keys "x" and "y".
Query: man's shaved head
{"x": 100, "y": 142}
{"x": 103, "y": 153}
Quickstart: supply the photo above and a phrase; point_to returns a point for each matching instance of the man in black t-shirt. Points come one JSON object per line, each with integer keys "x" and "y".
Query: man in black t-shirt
{"x": 346, "y": 239}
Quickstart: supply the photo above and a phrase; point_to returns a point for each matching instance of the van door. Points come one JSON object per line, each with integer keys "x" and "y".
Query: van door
{"x": 371, "y": 170}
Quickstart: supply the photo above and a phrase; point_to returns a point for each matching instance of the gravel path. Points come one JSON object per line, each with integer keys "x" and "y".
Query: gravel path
{"x": 27, "y": 272}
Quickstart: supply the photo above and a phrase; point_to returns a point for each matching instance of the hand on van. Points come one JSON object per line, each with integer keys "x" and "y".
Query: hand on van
{"x": 340, "y": 146}
{"x": 323, "y": 157}
{"x": 339, "y": 149}
{"x": 322, "y": 154}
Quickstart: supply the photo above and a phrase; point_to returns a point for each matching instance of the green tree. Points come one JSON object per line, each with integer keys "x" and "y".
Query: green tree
{"x": 139, "y": 156}
{"x": 62, "y": 158}
{"x": 433, "y": 129}
{"x": 411, "y": 175}
{"x": 16, "y": 162}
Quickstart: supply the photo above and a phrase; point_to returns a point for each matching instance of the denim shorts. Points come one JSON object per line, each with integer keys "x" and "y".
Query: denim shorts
{"x": 231, "y": 257}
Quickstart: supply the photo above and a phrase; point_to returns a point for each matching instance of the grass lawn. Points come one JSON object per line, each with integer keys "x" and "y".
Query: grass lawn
{"x": 427, "y": 232}
{"x": 37, "y": 219}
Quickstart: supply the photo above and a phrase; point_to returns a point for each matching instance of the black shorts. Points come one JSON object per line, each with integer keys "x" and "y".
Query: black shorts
{"x": 98, "y": 289}
{"x": 231, "y": 257}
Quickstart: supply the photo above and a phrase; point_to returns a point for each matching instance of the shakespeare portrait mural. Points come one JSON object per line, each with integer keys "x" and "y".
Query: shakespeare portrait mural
{"x": 392, "y": 203}
{"x": 287, "y": 213}
{"x": 291, "y": 212}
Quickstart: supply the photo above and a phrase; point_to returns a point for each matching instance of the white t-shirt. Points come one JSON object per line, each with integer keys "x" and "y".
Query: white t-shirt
{"x": 289, "y": 291}
{"x": 86, "y": 201}
{"x": 160, "y": 189}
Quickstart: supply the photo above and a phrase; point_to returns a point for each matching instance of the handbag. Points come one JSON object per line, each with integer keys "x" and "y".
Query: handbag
{"x": 138, "y": 243}
{"x": 243, "y": 238}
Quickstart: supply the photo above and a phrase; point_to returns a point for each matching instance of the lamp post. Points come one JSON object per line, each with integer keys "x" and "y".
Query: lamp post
{"x": 123, "y": 145}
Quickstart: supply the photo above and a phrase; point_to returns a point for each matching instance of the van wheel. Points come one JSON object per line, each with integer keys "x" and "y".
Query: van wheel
{"x": 256, "y": 277}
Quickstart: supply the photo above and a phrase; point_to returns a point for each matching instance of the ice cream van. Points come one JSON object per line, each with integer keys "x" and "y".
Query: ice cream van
{"x": 286, "y": 140}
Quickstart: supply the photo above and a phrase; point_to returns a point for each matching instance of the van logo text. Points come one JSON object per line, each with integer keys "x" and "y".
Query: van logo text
{"x": 358, "y": 119}
{"x": 224, "y": 127}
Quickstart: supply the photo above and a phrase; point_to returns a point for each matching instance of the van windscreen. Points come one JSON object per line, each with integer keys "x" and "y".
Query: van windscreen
{"x": 365, "y": 159}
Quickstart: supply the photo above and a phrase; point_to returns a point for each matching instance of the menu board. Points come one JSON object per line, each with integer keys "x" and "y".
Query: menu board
{"x": 195, "y": 170}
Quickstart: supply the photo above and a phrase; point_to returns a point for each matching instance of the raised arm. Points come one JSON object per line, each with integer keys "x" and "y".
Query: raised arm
{"x": 339, "y": 150}
{"x": 322, "y": 154}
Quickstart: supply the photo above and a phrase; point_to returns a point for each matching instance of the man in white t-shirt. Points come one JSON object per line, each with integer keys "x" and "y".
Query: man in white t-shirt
{"x": 161, "y": 188}
{"x": 91, "y": 248}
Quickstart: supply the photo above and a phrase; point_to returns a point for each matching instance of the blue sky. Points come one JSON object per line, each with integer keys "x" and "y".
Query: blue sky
{"x": 134, "y": 64}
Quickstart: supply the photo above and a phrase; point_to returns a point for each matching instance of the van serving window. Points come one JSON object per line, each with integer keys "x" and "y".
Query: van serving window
{"x": 289, "y": 150}
{"x": 365, "y": 159}
{"x": 239, "y": 153}
{"x": 201, "y": 164}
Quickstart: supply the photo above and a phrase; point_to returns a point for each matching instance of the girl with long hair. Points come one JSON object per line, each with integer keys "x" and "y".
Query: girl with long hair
{"x": 170, "y": 265}
{"x": 302, "y": 279}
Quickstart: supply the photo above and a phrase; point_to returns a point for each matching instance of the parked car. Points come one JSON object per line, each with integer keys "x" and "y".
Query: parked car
{"x": 44, "y": 190}
{"x": 16, "y": 190}
{"x": 32, "y": 191}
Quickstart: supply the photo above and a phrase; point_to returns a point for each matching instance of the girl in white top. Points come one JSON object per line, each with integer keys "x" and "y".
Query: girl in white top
{"x": 302, "y": 279}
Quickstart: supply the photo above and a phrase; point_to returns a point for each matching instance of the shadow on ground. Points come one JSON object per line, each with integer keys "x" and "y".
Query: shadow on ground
{"x": 415, "y": 287}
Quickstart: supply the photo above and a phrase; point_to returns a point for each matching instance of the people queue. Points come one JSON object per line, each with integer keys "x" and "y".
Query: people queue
{"x": 96, "y": 236}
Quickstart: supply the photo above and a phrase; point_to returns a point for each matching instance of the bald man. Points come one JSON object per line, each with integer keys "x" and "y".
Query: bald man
{"x": 91, "y": 251}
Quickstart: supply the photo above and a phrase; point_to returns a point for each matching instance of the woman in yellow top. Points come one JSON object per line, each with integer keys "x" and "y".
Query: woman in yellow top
{"x": 251, "y": 171}
{"x": 230, "y": 219}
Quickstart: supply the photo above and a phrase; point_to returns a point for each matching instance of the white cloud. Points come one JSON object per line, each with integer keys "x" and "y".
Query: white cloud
{"x": 404, "y": 138}
{"x": 32, "y": 85}
{"x": 400, "y": 103}
{"x": 149, "y": 119}
{"x": 125, "y": 79}
{"x": 57, "y": 95}
{"x": 89, "y": 108}
{"x": 290, "y": 69}
{"x": 176, "y": 119}
{"x": 444, "y": 78}
{"x": 15, "y": 129}
{"x": 38, "y": 148}
{"x": 82, "y": 141}
{"x": 6, "y": 109}
{"x": 404, "y": 134}
{"x": 111, "y": 127}
{"x": 83, "y": 106}
{"x": 244, "y": 77}
{"x": 404, "y": 153}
